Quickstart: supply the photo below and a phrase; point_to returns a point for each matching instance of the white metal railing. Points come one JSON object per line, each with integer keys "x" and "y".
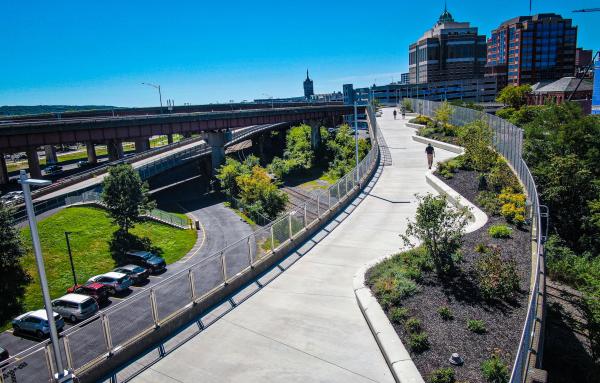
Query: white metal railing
{"x": 508, "y": 141}
{"x": 122, "y": 323}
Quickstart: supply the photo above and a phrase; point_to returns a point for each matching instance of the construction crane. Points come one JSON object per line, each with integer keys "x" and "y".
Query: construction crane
{"x": 587, "y": 10}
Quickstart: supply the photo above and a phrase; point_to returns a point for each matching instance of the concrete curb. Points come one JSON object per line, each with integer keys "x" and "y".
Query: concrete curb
{"x": 477, "y": 217}
{"x": 396, "y": 356}
{"x": 414, "y": 126}
{"x": 439, "y": 144}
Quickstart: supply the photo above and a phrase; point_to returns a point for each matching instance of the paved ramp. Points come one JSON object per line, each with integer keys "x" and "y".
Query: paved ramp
{"x": 305, "y": 326}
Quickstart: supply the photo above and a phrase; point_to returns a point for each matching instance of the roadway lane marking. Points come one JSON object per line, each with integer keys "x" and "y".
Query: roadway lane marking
{"x": 188, "y": 257}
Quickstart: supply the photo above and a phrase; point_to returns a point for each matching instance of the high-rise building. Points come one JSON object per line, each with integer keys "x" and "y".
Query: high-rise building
{"x": 404, "y": 78}
{"x": 308, "y": 87}
{"x": 530, "y": 49}
{"x": 449, "y": 51}
{"x": 596, "y": 94}
{"x": 583, "y": 58}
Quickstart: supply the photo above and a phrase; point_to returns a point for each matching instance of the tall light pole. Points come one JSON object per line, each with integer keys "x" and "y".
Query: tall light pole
{"x": 356, "y": 137}
{"x": 159, "y": 93}
{"x": 71, "y": 257}
{"x": 62, "y": 375}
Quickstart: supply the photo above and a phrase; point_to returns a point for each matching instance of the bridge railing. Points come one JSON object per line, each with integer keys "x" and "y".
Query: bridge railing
{"x": 122, "y": 324}
{"x": 508, "y": 141}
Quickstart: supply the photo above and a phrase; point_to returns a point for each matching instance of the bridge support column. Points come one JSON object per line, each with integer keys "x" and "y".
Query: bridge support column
{"x": 315, "y": 135}
{"x": 115, "y": 150}
{"x": 50, "y": 154}
{"x": 91, "y": 153}
{"x": 34, "y": 163}
{"x": 142, "y": 144}
{"x": 217, "y": 142}
{"x": 258, "y": 145}
{"x": 3, "y": 170}
{"x": 169, "y": 139}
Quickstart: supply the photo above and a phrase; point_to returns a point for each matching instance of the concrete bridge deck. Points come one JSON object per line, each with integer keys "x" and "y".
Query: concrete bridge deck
{"x": 306, "y": 326}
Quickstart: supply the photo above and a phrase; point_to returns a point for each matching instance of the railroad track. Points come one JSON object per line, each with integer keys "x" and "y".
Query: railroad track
{"x": 298, "y": 199}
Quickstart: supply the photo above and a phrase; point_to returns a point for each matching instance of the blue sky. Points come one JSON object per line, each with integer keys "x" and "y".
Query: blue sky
{"x": 99, "y": 52}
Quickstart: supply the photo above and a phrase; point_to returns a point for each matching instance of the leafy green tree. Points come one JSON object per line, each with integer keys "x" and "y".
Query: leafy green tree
{"x": 228, "y": 173}
{"x": 514, "y": 96}
{"x": 298, "y": 151}
{"x": 407, "y": 105}
{"x": 125, "y": 196}
{"x": 14, "y": 277}
{"x": 443, "y": 114}
{"x": 439, "y": 228}
{"x": 476, "y": 138}
{"x": 259, "y": 193}
{"x": 342, "y": 149}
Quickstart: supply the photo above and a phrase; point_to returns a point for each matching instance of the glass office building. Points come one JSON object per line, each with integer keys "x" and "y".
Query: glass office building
{"x": 596, "y": 94}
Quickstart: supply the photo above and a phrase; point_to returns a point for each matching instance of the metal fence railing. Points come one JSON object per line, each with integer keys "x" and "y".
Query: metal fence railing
{"x": 121, "y": 324}
{"x": 508, "y": 141}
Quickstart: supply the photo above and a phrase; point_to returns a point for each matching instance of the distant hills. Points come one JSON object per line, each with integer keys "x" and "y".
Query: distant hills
{"x": 19, "y": 110}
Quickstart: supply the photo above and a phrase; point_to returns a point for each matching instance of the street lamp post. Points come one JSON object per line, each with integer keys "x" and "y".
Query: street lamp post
{"x": 356, "y": 138}
{"x": 62, "y": 375}
{"x": 71, "y": 257}
{"x": 159, "y": 93}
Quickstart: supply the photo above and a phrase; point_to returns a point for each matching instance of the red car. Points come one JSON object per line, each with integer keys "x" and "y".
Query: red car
{"x": 95, "y": 290}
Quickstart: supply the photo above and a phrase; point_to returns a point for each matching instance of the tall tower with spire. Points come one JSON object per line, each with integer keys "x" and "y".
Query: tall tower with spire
{"x": 308, "y": 87}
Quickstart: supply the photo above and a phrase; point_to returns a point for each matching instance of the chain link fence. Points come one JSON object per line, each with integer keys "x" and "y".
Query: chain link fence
{"x": 125, "y": 322}
{"x": 508, "y": 141}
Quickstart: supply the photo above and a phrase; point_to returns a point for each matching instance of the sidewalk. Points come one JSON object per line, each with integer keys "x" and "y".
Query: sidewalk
{"x": 306, "y": 326}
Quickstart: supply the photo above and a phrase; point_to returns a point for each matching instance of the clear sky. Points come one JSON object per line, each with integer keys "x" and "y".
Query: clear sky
{"x": 99, "y": 52}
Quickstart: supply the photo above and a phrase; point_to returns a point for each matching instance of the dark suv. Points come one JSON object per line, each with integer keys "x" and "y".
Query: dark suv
{"x": 146, "y": 259}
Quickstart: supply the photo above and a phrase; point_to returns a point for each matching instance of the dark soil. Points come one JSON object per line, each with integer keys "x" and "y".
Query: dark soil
{"x": 503, "y": 320}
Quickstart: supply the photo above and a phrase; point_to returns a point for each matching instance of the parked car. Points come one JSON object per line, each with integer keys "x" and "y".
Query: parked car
{"x": 36, "y": 322}
{"x": 114, "y": 282}
{"x": 53, "y": 169}
{"x": 138, "y": 274}
{"x": 12, "y": 196}
{"x": 95, "y": 290}
{"x": 146, "y": 259}
{"x": 3, "y": 355}
{"x": 75, "y": 307}
{"x": 83, "y": 164}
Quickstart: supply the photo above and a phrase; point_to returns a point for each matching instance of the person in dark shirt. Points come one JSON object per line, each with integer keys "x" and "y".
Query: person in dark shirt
{"x": 395, "y": 114}
{"x": 430, "y": 154}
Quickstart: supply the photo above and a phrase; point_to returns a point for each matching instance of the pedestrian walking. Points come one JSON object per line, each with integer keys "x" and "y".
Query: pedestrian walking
{"x": 395, "y": 114}
{"x": 430, "y": 154}
{"x": 403, "y": 112}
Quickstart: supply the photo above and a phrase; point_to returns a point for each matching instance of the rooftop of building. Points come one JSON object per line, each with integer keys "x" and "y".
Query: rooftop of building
{"x": 538, "y": 17}
{"x": 565, "y": 84}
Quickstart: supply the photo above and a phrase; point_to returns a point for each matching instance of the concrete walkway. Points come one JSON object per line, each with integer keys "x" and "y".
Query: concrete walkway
{"x": 306, "y": 326}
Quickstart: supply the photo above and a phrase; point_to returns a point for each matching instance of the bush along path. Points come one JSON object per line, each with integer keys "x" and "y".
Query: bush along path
{"x": 461, "y": 293}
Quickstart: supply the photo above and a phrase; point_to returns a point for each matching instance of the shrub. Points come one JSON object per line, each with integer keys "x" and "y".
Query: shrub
{"x": 501, "y": 177}
{"x": 477, "y": 326}
{"x": 447, "y": 168}
{"x": 418, "y": 342}
{"x": 482, "y": 183}
{"x": 440, "y": 229}
{"x": 497, "y": 278}
{"x": 426, "y": 132}
{"x": 476, "y": 137}
{"x": 489, "y": 202}
{"x": 513, "y": 206}
{"x": 421, "y": 120}
{"x": 398, "y": 314}
{"x": 391, "y": 289}
{"x": 481, "y": 248}
{"x": 407, "y": 105}
{"x": 500, "y": 231}
{"x": 494, "y": 370}
{"x": 442, "y": 375}
{"x": 413, "y": 325}
{"x": 446, "y": 313}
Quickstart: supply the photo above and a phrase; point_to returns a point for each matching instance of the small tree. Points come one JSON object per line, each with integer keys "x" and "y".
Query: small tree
{"x": 407, "y": 105}
{"x": 514, "y": 96}
{"x": 14, "y": 278}
{"x": 439, "y": 228}
{"x": 260, "y": 194}
{"x": 476, "y": 137}
{"x": 125, "y": 196}
{"x": 443, "y": 114}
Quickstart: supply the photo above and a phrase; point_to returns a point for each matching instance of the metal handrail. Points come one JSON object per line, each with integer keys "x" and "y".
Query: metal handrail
{"x": 508, "y": 141}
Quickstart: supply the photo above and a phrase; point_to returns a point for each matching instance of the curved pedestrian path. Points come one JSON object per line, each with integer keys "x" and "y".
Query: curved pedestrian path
{"x": 306, "y": 326}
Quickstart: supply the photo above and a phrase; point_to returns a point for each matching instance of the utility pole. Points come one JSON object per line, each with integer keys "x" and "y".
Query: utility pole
{"x": 71, "y": 257}
{"x": 159, "y": 93}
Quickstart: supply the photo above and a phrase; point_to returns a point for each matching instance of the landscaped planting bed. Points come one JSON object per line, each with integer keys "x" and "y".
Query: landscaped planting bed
{"x": 436, "y": 315}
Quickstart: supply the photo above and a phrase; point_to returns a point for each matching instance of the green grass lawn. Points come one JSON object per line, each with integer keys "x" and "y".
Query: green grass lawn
{"x": 91, "y": 229}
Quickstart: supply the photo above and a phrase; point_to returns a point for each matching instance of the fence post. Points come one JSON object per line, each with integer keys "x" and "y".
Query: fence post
{"x": 290, "y": 225}
{"x": 305, "y": 216}
{"x": 318, "y": 206}
{"x": 68, "y": 352}
{"x": 338, "y": 190}
{"x": 272, "y": 239}
{"x": 224, "y": 267}
{"x": 328, "y": 198}
{"x": 192, "y": 287}
{"x": 249, "y": 252}
{"x": 154, "y": 309}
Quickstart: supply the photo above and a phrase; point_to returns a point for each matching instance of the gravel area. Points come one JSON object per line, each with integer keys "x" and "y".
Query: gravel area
{"x": 503, "y": 320}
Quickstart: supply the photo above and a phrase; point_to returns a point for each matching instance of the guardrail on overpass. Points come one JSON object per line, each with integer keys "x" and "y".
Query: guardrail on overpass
{"x": 508, "y": 141}
{"x": 123, "y": 331}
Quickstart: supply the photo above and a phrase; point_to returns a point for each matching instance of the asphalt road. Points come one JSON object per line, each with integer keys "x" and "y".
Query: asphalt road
{"x": 220, "y": 227}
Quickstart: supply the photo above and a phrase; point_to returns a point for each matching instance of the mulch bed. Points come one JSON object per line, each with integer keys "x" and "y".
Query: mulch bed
{"x": 503, "y": 320}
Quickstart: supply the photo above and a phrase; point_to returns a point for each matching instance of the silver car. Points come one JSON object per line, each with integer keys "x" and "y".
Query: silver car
{"x": 36, "y": 322}
{"x": 75, "y": 307}
{"x": 115, "y": 282}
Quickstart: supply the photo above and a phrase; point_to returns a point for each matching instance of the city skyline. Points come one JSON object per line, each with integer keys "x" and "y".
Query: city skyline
{"x": 251, "y": 51}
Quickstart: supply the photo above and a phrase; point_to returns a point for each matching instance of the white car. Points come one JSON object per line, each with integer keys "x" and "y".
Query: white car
{"x": 75, "y": 306}
{"x": 115, "y": 282}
